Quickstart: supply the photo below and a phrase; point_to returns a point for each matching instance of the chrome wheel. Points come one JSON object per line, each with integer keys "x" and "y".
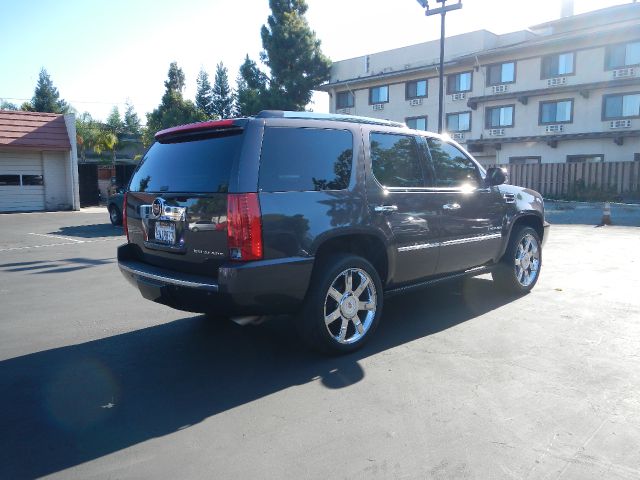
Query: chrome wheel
{"x": 527, "y": 260}
{"x": 350, "y": 306}
{"x": 113, "y": 215}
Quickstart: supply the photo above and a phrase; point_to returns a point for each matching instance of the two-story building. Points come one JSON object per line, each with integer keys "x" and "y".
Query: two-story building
{"x": 563, "y": 91}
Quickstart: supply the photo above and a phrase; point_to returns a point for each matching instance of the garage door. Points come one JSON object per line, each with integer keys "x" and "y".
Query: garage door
{"x": 21, "y": 182}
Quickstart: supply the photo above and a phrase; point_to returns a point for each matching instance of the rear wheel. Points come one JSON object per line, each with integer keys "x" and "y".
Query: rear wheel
{"x": 519, "y": 269}
{"x": 114, "y": 215}
{"x": 343, "y": 306}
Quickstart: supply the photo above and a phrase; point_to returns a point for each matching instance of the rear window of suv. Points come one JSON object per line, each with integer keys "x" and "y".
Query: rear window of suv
{"x": 201, "y": 165}
{"x": 303, "y": 159}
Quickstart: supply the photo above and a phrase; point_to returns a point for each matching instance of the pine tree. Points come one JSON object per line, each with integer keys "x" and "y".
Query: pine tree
{"x": 173, "y": 109}
{"x": 292, "y": 53}
{"x": 46, "y": 97}
{"x": 204, "y": 100}
{"x": 222, "y": 93}
{"x": 252, "y": 92}
{"x": 131, "y": 121}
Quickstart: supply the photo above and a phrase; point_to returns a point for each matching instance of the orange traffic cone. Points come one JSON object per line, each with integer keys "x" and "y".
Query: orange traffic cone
{"x": 606, "y": 214}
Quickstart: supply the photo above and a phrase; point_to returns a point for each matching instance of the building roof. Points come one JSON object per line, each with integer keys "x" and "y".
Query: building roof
{"x": 33, "y": 130}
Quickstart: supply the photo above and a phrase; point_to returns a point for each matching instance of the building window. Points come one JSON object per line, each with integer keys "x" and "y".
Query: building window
{"x": 498, "y": 117}
{"x": 416, "y": 89}
{"x": 623, "y": 55}
{"x": 556, "y": 111}
{"x": 459, "y": 122}
{"x": 9, "y": 180}
{"x": 525, "y": 160}
{"x": 459, "y": 82}
{"x": 501, "y": 73}
{"x": 558, "y": 65}
{"x": 417, "y": 123}
{"x": 379, "y": 94}
{"x": 32, "y": 180}
{"x": 585, "y": 158}
{"x": 621, "y": 106}
{"x": 345, "y": 100}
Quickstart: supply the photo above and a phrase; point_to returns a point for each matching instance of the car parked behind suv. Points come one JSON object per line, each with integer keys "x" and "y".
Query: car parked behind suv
{"x": 321, "y": 216}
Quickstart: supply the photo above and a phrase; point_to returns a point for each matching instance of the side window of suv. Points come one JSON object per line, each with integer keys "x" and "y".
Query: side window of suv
{"x": 303, "y": 159}
{"x": 452, "y": 167}
{"x": 395, "y": 160}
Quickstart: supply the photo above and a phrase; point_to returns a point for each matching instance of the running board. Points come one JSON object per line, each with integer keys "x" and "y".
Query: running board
{"x": 433, "y": 281}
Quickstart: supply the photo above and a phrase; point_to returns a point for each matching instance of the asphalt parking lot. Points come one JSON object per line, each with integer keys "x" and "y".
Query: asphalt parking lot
{"x": 96, "y": 382}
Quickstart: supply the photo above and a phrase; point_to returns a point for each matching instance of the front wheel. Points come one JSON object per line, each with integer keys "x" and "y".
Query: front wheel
{"x": 343, "y": 305}
{"x": 519, "y": 269}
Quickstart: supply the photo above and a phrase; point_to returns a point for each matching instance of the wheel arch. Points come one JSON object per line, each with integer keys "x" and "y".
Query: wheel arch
{"x": 365, "y": 244}
{"x": 524, "y": 219}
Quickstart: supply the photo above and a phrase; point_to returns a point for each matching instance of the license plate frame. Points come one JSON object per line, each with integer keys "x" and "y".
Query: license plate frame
{"x": 165, "y": 233}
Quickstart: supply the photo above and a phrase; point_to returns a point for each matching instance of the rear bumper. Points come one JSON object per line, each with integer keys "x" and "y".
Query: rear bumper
{"x": 253, "y": 288}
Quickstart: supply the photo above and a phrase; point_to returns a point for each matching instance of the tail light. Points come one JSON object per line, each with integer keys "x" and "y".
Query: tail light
{"x": 124, "y": 216}
{"x": 244, "y": 228}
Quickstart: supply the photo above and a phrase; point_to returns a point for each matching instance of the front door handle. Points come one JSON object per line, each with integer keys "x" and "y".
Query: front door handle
{"x": 386, "y": 208}
{"x": 451, "y": 206}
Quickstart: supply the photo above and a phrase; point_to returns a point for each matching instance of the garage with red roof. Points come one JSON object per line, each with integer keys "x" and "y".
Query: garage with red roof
{"x": 38, "y": 162}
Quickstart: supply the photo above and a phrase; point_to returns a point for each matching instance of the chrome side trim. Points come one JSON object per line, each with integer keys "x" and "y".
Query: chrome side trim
{"x": 418, "y": 247}
{"x": 169, "y": 280}
{"x": 478, "y": 238}
{"x": 458, "y": 241}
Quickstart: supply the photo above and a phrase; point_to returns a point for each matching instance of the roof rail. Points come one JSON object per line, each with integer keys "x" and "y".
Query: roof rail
{"x": 327, "y": 116}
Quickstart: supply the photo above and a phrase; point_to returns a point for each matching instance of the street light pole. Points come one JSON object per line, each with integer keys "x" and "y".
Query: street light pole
{"x": 442, "y": 11}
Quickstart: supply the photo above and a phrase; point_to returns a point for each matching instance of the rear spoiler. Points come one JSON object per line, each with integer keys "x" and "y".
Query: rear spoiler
{"x": 202, "y": 127}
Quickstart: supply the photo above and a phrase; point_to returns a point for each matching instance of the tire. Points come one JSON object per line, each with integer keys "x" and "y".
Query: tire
{"x": 519, "y": 269}
{"x": 352, "y": 310}
{"x": 115, "y": 215}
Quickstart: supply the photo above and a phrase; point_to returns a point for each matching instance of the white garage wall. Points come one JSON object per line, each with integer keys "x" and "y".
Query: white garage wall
{"x": 58, "y": 195}
{"x": 21, "y": 198}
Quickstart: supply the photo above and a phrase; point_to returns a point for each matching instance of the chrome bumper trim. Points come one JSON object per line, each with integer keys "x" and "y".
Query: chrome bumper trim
{"x": 159, "y": 277}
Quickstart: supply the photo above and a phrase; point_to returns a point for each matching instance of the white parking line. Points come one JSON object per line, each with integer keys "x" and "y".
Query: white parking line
{"x": 56, "y": 236}
{"x": 75, "y": 242}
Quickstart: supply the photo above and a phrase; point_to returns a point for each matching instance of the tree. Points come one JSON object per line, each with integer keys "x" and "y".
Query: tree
{"x": 175, "y": 80}
{"x": 222, "y": 93}
{"x": 4, "y": 105}
{"x": 252, "y": 90}
{"x": 86, "y": 134}
{"x": 46, "y": 97}
{"x": 132, "y": 125}
{"x": 204, "y": 95}
{"x": 114, "y": 121}
{"x": 292, "y": 53}
{"x": 173, "y": 109}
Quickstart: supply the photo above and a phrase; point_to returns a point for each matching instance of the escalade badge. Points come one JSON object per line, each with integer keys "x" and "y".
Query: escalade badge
{"x": 157, "y": 207}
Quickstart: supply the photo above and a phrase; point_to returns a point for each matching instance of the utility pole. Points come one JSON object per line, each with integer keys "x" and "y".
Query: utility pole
{"x": 442, "y": 11}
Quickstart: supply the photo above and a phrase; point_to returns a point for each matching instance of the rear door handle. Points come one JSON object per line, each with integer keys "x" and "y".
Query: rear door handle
{"x": 386, "y": 208}
{"x": 451, "y": 206}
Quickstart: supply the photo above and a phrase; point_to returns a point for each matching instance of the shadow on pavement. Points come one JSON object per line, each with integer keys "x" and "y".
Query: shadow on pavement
{"x": 90, "y": 231}
{"x": 55, "y": 266}
{"x": 66, "y": 406}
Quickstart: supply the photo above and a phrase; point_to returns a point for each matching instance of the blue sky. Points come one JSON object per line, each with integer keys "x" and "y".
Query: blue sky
{"x": 99, "y": 53}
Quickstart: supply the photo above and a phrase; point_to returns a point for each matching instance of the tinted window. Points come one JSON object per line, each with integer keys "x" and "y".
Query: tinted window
{"x": 12, "y": 180}
{"x": 395, "y": 160}
{"x": 202, "y": 165}
{"x": 452, "y": 167}
{"x": 300, "y": 159}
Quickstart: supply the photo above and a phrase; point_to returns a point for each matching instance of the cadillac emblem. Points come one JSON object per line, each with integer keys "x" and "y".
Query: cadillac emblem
{"x": 157, "y": 207}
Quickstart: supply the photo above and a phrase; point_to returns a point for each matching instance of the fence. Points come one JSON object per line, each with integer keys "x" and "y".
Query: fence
{"x": 562, "y": 179}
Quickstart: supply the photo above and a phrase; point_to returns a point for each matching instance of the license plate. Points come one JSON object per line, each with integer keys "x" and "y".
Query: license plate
{"x": 166, "y": 232}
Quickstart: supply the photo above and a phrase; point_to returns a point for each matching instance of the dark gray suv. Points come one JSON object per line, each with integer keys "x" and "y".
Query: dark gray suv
{"x": 321, "y": 216}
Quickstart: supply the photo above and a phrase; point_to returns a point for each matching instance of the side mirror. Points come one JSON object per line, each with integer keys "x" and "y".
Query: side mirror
{"x": 495, "y": 176}
{"x": 122, "y": 190}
